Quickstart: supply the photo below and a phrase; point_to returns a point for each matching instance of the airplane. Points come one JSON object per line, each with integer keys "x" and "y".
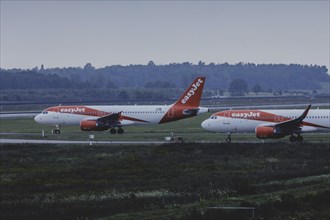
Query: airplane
{"x": 101, "y": 118}
{"x": 269, "y": 123}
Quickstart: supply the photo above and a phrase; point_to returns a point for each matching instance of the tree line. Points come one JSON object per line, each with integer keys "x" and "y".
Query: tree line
{"x": 153, "y": 81}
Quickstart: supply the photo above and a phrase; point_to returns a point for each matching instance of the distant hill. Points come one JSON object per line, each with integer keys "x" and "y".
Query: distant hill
{"x": 33, "y": 80}
{"x": 175, "y": 75}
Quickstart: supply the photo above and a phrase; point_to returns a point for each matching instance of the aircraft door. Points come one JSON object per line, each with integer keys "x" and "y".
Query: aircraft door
{"x": 56, "y": 113}
{"x": 170, "y": 112}
{"x": 226, "y": 118}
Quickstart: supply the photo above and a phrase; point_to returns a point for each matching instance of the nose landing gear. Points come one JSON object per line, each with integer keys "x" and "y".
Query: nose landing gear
{"x": 57, "y": 130}
{"x": 298, "y": 138}
{"x": 228, "y": 139}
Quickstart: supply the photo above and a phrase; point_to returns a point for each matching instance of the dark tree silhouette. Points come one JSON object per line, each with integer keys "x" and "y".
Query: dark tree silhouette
{"x": 256, "y": 89}
{"x": 238, "y": 87}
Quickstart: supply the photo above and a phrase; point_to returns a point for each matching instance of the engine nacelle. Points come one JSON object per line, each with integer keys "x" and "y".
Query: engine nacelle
{"x": 264, "y": 132}
{"x": 195, "y": 111}
{"x": 202, "y": 110}
{"x": 190, "y": 112}
{"x": 92, "y": 125}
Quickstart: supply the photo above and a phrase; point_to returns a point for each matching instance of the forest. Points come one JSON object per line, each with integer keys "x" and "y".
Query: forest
{"x": 153, "y": 81}
{"x": 268, "y": 76}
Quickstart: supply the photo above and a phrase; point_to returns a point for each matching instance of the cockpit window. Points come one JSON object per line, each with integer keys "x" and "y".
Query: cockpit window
{"x": 44, "y": 112}
{"x": 213, "y": 117}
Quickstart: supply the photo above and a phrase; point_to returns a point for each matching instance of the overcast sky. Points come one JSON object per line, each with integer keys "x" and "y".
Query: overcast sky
{"x": 104, "y": 33}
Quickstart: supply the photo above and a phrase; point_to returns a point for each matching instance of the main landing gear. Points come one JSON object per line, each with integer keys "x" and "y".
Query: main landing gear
{"x": 297, "y": 138}
{"x": 228, "y": 139}
{"x": 114, "y": 131}
{"x": 57, "y": 130}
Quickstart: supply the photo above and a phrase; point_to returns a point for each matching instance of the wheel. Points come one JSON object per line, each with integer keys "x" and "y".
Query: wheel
{"x": 228, "y": 139}
{"x": 292, "y": 139}
{"x": 113, "y": 131}
{"x": 300, "y": 138}
{"x": 120, "y": 131}
{"x": 56, "y": 131}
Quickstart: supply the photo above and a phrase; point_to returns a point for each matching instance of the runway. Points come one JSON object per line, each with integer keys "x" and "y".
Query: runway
{"x": 30, "y": 141}
{"x": 114, "y": 143}
{"x": 18, "y": 114}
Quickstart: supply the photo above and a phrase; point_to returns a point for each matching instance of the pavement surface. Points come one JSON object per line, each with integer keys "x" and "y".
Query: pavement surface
{"x": 91, "y": 142}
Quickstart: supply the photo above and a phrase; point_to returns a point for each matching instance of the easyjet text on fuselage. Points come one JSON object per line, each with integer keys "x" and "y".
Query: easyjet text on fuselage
{"x": 246, "y": 115}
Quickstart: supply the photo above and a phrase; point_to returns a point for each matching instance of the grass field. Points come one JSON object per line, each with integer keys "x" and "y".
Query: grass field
{"x": 189, "y": 129}
{"x": 171, "y": 181}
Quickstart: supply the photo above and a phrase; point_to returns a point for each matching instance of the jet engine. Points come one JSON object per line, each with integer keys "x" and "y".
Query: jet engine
{"x": 190, "y": 112}
{"x": 268, "y": 132}
{"x": 195, "y": 111}
{"x": 92, "y": 125}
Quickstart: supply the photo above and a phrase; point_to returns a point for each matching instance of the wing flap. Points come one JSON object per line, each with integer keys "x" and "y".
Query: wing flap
{"x": 111, "y": 119}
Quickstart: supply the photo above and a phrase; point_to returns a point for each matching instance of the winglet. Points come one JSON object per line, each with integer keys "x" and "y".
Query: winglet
{"x": 304, "y": 114}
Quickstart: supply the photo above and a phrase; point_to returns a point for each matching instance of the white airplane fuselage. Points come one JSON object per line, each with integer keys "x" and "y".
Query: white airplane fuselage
{"x": 131, "y": 114}
{"x": 246, "y": 121}
{"x": 104, "y": 117}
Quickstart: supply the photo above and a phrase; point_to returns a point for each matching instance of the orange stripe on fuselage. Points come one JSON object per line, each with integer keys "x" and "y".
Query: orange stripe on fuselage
{"x": 253, "y": 115}
{"x": 86, "y": 111}
{"x": 78, "y": 110}
{"x": 313, "y": 125}
{"x": 123, "y": 117}
{"x": 261, "y": 116}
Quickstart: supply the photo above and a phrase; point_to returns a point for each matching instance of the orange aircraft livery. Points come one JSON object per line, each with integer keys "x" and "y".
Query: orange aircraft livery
{"x": 269, "y": 123}
{"x": 100, "y": 118}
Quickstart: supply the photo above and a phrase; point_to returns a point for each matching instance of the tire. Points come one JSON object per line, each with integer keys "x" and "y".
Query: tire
{"x": 292, "y": 139}
{"x": 300, "y": 138}
{"x": 56, "y": 131}
{"x": 120, "y": 131}
{"x": 113, "y": 131}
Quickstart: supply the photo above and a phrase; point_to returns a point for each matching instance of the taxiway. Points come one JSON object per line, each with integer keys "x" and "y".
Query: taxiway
{"x": 30, "y": 141}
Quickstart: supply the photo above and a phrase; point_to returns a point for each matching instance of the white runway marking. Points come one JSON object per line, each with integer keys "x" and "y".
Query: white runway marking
{"x": 28, "y": 141}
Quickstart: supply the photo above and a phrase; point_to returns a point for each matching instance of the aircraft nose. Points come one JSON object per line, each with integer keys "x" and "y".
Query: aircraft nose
{"x": 205, "y": 124}
{"x": 37, "y": 118}
{"x": 209, "y": 125}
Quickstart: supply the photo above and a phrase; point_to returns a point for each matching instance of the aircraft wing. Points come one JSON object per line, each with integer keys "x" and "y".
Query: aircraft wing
{"x": 294, "y": 124}
{"x": 111, "y": 119}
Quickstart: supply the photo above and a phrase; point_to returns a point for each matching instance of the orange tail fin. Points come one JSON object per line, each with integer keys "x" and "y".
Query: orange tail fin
{"x": 192, "y": 96}
{"x": 187, "y": 105}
